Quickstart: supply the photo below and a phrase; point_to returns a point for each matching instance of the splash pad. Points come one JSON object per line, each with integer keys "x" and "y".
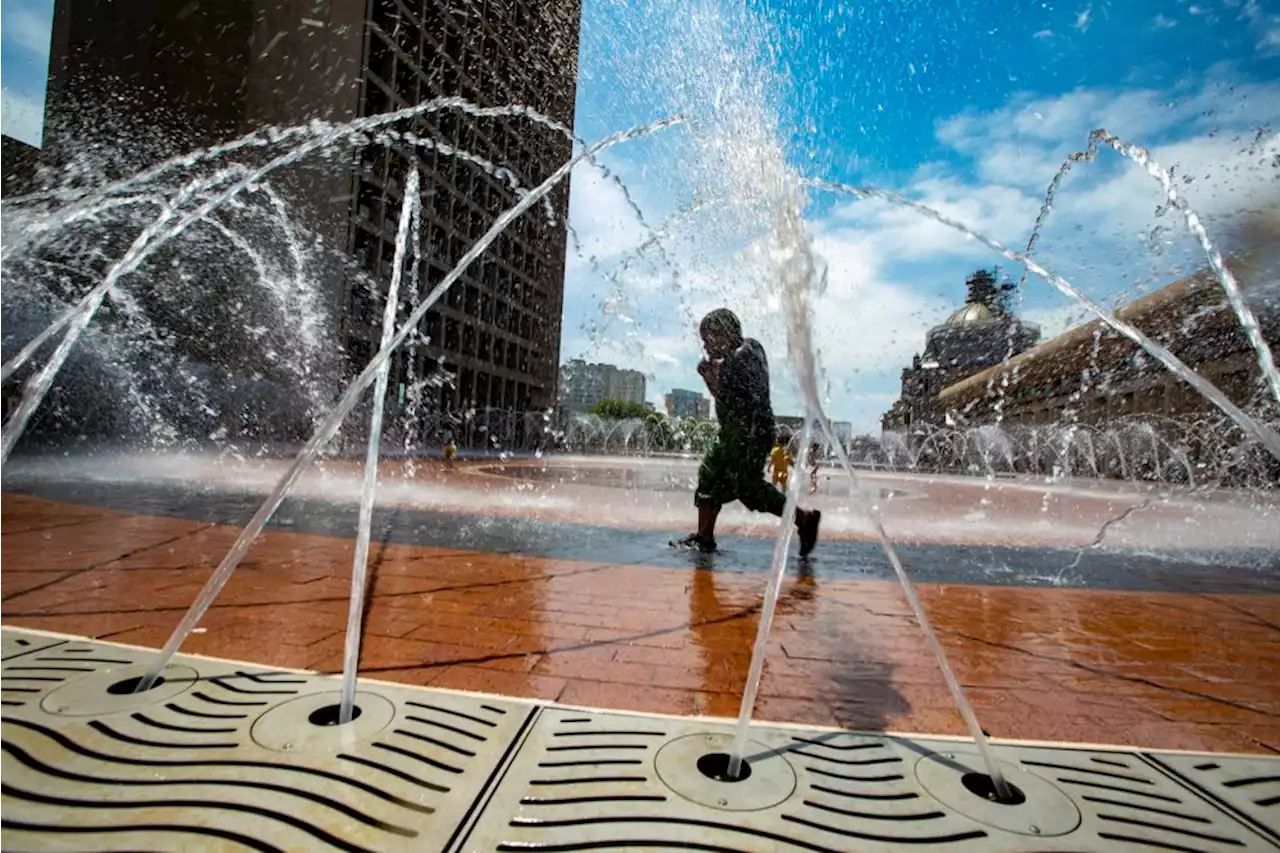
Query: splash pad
{"x": 976, "y": 791}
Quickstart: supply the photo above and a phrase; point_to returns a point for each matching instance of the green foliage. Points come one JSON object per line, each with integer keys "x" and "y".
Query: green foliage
{"x": 619, "y": 410}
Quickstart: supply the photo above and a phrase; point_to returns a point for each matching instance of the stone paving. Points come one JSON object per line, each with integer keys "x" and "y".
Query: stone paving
{"x": 1146, "y": 668}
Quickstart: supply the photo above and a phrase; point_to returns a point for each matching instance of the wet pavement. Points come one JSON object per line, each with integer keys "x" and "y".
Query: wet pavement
{"x": 1149, "y": 651}
{"x": 1093, "y": 568}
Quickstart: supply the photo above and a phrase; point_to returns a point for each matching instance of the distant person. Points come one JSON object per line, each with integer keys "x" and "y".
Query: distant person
{"x": 737, "y": 375}
{"x": 780, "y": 462}
{"x": 450, "y": 453}
{"x": 814, "y": 450}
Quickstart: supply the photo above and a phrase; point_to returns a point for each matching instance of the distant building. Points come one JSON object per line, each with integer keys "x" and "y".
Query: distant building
{"x": 791, "y": 423}
{"x": 18, "y": 162}
{"x": 195, "y": 74}
{"x": 682, "y": 403}
{"x": 982, "y": 333}
{"x": 1090, "y": 374}
{"x": 626, "y": 385}
{"x": 843, "y": 431}
{"x": 584, "y": 384}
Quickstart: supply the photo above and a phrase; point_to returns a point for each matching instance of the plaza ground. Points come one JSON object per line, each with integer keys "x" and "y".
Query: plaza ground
{"x": 1183, "y": 658}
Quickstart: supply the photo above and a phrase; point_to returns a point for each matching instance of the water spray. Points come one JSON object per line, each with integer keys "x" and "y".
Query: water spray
{"x": 360, "y": 564}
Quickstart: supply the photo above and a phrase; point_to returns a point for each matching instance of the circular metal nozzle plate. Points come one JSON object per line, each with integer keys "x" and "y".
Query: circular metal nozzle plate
{"x": 1046, "y": 810}
{"x": 771, "y": 782}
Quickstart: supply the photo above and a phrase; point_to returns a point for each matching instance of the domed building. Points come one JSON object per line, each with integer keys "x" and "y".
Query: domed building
{"x": 982, "y": 333}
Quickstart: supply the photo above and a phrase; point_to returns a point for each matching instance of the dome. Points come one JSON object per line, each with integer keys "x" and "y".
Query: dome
{"x": 972, "y": 314}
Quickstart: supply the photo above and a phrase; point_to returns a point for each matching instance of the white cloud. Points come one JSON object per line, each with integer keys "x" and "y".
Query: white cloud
{"x": 1269, "y": 42}
{"x": 999, "y": 211}
{"x": 1265, "y": 25}
{"x": 1208, "y": 134}
{"x": 1218, "y": 175}
{"x": 866, "y": 321}
{"x": 21, "y": 117}
{"x": 893, "y": 274}
{"x": 1055, "y": 320}
{"x": 606, "y": 224}
{"x": 1062, "y": 123}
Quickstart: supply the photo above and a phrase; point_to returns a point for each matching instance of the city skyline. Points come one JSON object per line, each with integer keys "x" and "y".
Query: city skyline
{"x": 976, "y": 129}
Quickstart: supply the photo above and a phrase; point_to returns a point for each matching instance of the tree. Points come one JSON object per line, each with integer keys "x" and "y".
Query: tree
{"x": 619, "y": 410}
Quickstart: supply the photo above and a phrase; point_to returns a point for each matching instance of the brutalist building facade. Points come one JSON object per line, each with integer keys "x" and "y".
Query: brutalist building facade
{"x": 497, "y": 330}
{"x": 198, "y": 72}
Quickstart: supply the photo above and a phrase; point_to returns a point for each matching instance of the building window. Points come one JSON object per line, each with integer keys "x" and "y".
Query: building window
{"x": 376, "y": 100}
{"x": 381, "y": 57}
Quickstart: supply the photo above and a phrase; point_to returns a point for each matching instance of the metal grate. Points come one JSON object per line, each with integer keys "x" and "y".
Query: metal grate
{"x": 1247, "y": 785}
{"x": 232, "y": 756}
{"x": 13, "y": 643}
{"x": 226, "y": 757}
{"x": 590, "y": 781}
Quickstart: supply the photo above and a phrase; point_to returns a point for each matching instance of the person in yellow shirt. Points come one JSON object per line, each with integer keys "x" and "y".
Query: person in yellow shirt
{"x": 780, "y": 462}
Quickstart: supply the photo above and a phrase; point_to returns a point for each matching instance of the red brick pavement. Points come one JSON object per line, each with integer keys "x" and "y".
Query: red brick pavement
{"x": 1157, "y": 670}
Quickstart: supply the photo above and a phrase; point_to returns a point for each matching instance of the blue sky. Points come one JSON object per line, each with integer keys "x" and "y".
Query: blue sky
{"x": 24, "y": 62}
{"x": 967, "y": 106}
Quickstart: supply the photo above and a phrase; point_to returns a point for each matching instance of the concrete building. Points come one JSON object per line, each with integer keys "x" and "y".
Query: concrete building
{"x": 683, "y": 403}
{"x": 18, "y": 163}
{"x": 1091, "y": 375}
{"x": 584, "y": 384}
{"x": 981, "y": 333}
{"x": 628, "y": 386}
{"x": 170, "y": 77}
{"x": 790, "y": 423}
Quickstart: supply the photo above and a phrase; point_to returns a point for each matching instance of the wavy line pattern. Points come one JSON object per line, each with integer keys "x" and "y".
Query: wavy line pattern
{"x": 452, "y": 773}
{"x": 15, "y": 643}
{"x": 1134, "y": 803}
{"x": 1249, "y": 787}
{"x": 591, "y": 783}
{"x": 185, "y": 772}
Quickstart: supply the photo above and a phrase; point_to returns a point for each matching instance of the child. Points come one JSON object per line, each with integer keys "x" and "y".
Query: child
{"x": 737, "y": 375}
{"x": 780, "y": 463}
{"x": 814, "y": 450}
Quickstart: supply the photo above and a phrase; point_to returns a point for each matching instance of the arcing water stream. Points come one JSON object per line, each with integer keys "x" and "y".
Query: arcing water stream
{"x": 360, "y": 564}
{"x": 742, "y": 139}
{"x": 1265, "y": 435}
{"x": 330, "y": 425}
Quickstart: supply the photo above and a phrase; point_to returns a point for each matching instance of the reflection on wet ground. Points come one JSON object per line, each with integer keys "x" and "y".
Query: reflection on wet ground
{"x": 512, "y": 534}
{"x": 554, "y": 580}
{"x": 652, "y": 478}
{"x": 974, "y": 512}
{"x": 1183, "y": 668}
